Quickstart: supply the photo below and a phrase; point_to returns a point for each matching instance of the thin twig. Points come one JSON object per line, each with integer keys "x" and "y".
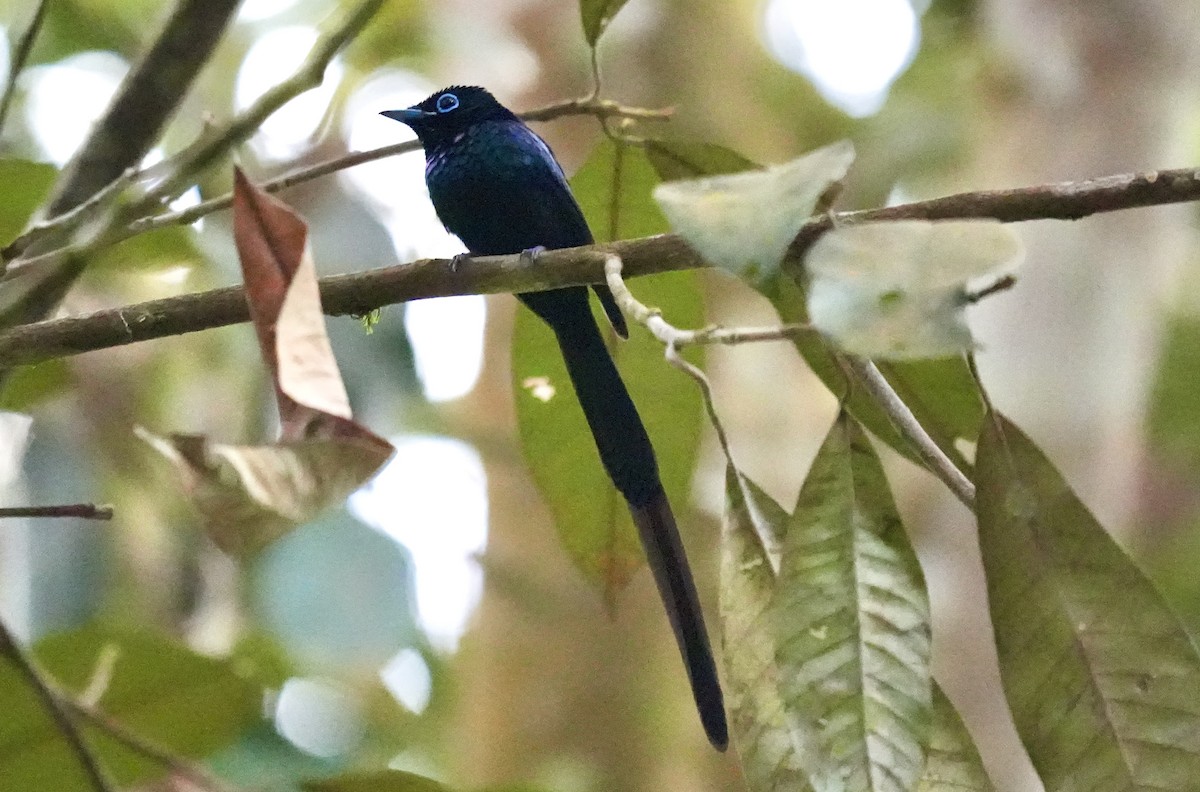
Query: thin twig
{"x": 741, "y": 335}
{"x": 215, "y": 146}
{"x": 910, "y": 428}
{"x": 600, "y": 108}
{"x": 20, "y": 58}
{"x": 57, "y": 709}
{"x": 669, "y": 335}
{"x": 85, "y": 511}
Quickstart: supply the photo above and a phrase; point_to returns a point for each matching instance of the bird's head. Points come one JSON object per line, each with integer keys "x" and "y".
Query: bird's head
{"x": 450, "y": 111}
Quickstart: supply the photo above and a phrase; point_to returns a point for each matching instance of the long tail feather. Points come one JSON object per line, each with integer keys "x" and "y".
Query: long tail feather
{"x": 628, "y": 457}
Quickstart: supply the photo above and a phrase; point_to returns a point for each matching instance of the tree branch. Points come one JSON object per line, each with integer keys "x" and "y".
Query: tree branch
{"x": 145, "y": 100}
{"x": 85, "y": 511}
{"x": 364, "y": 292}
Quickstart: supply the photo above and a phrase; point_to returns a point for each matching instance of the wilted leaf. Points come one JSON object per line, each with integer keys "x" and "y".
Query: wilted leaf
{"x": 613, "y": 188}
{"x": 776, "y": 749}
{"x": 248, "y": 496}
{"x": 852, "y": 618}
{"x": 153, "y": 680}
{"x": 596, "y": 14}
{"x": 1103, "y": 682}
{"x": 898, "y": 289}
{"x": 953, "y": 763}
{"x": 285, "y": 305}
{"x": 744, "y": 222}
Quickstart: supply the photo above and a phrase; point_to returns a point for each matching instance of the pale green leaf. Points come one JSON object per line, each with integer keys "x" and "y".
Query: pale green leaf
{"x": 898, "y": 289}
{"x": 775, "y": 748}
{"x": 853, "y": 623}
{"x": 1103, "y": 682}
{"x": 744, "y": 222}
{"x": 941, "y": 393}
{"x": 953, "y": 763}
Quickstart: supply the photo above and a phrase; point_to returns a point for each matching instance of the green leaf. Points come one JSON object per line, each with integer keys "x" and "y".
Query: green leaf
{"x": 592, "y": 520}
{"x": 27, "y": 386}
{"x": 382, "y": 781}
{"x": 953, "y": 763}
{"x": 775, "y": 749}
{"x": 596, "y": 14}
{"x": 853, "y": 623}
{"x": 25, "y": 185}
{"x": 1101, "y": 678}
{"x": 188, "y": 704}
{"x": 941, "y": 393}
{"x": 685, "y": 159}
{"x": 154, "y": 250}
{"x": 613, "y": 189}
{"x": 898, "y": 289}
{"x": 745, "y": 222}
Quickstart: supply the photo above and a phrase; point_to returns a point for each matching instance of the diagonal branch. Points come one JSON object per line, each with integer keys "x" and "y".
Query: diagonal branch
{"x": 145, "y": 101}
{"x": 20, "y": 58}
{"x": 364, "y": 292}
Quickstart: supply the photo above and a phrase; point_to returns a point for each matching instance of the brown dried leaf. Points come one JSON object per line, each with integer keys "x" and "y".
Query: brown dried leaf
{"x": 249, "y": 496}
{"x": 285, "y": 305}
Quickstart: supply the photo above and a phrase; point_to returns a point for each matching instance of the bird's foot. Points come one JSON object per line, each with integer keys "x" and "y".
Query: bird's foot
{"x": 530, "y": 255}
{"x": 457, "y": 261}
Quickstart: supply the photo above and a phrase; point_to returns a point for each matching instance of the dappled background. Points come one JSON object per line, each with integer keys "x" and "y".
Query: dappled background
{"x": 435, "y": 623}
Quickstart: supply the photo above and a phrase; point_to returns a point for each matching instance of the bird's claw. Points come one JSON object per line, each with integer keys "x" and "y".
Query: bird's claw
{"x": 457, "y": 261}
{"x": 530, "y": 255}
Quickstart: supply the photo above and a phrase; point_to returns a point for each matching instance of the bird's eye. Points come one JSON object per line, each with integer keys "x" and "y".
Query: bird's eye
{"x": 447, "y": 102}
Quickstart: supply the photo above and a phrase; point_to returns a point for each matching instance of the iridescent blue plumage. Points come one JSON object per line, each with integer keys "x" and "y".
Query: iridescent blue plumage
{"x": 497, "y": 186}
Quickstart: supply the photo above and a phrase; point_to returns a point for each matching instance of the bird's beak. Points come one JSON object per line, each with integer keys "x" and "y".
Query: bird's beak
{"x": 406, "y": 116}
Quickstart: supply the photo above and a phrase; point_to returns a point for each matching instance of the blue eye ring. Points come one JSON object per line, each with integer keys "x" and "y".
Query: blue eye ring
{"x": 447, "y": 102}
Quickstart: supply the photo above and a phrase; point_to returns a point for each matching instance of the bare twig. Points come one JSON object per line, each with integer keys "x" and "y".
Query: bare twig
{"x": 213, "y": 147}
{"x": 910, "y": 428}
{"x": 600, "y": 108}
{"x": 85, "y": 511}
{"x": 741, "y": 335}
{"x": 669, "y": 335}
{"x": 58, "y": 711}
{"x": 20, "y": 58}
{"x": 145, "y": 101}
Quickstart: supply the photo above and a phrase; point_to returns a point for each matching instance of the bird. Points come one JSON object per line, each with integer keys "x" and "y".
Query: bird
{"x": 496, "y": 185}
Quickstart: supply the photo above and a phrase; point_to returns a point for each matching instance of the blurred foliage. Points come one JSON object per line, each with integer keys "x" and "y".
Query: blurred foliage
{"x": 1075, "y": 619}
{"x": 148, "y": 682}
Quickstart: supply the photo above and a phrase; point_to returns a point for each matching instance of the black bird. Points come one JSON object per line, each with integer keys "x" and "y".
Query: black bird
{"x": 496, "y": 185}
